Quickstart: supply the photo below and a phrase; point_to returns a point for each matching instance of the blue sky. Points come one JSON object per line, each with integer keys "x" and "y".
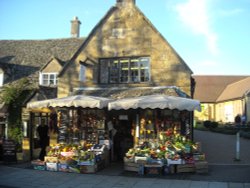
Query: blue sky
{"x": 212, "y": 36}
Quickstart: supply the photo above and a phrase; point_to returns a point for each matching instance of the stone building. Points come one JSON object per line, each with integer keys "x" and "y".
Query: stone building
{"x": 123, "y": 56}
{"x": 222, "y": 97}
{"x": 124, "y": 50}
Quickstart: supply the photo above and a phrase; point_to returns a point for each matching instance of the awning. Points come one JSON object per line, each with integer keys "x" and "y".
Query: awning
{"x": 38, "y": 104}
{"x": 155, "y": 101}
{"x": 80, "y": 101}
{"x": 72, "y": 101}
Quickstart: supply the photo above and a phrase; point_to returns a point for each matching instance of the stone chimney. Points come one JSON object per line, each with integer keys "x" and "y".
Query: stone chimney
{"x": 75, "y": 27}
{"x": 125, "y": 2}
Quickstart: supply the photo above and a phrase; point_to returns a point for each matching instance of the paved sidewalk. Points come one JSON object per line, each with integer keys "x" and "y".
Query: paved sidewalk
{"x": 221, "y": 148}
{"x": 12, "y": 177}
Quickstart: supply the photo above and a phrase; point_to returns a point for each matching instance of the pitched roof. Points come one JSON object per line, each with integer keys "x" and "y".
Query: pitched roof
{"x": 30, "y": 55}
{"x": 208, "y": 88}
{"x": 235, "y": 90}
{"x": 109, "y": 13}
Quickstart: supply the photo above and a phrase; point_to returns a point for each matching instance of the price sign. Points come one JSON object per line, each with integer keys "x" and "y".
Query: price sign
{"x": 9, "y": 151}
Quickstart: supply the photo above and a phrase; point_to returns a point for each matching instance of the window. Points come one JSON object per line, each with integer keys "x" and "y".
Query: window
{"x": 125, "y": 70}
{"x": 82, "y": 74}
{"x": 48, "y": 79}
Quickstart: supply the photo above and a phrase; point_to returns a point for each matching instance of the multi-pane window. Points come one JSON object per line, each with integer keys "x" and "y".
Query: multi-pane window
{"x": 125, "y": 70}
{"x": 48, "y": 79}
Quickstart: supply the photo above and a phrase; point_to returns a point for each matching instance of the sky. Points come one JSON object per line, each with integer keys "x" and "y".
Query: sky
{"x": 211, "y": 36}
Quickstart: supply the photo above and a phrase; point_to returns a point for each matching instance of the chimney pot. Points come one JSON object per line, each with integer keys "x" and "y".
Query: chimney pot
{"x": 125, "y": 2}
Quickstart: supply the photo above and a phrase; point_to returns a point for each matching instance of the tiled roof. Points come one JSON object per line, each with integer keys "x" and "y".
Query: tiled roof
{"x": 120, "y": 93}
{"x": 209, "y": 88}
{"x": 235, "y": 90}
{"x": 28, "y": 56}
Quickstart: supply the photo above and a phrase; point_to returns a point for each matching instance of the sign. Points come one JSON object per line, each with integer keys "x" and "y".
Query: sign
{"x": 123, "y": 117}
{"x": 9, "y": 151}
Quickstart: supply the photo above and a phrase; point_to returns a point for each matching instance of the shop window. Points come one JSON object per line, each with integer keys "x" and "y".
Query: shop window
{"x": 48, "y": 79}
{"x": 125, "y": 70}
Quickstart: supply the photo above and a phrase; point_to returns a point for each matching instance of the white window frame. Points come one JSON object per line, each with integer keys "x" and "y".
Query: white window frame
{"x": 1, "y": 79}
{"x": 54, "y": 80}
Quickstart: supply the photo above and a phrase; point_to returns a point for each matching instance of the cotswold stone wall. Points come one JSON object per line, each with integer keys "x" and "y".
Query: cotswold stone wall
{"x": 125, "y": 32}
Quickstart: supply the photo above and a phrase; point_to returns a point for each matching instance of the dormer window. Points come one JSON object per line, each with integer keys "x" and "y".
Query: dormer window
{"x": 48, "y": 79}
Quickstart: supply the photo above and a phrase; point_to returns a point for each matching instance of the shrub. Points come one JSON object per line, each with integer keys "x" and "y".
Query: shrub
{"x": 210, "y": 124}
{"x": 214, "y": 125}
{"x": 207, "y": 124}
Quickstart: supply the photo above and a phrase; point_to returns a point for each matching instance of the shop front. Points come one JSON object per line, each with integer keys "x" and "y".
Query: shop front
{"x": 79, "y": 139}
{"x": 163, "y": 135}
{"x": 150, "y": 131}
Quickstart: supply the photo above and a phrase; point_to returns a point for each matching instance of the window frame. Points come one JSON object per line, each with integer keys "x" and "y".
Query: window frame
{"x": 49, "y": 79}
{"x": 115, "y": 72}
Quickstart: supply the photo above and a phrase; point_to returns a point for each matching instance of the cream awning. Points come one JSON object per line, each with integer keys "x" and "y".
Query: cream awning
{"x": 155, "y": 101}
{"x": 72, "y": 101}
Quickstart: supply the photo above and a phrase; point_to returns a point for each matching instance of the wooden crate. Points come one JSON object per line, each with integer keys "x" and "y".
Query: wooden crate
{"x": 201, "y": 167}
{"x": 169, "y": 169}
{"x": 134, "y": 167}
{"x": 88, "y": 169}
{"x": 182, "y": 168}
{"x": 153, "y": 169}
{"x": 48, "y": 159}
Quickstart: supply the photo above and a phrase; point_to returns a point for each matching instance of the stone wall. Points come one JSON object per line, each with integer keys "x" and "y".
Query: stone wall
{"x": 127, "y": 33}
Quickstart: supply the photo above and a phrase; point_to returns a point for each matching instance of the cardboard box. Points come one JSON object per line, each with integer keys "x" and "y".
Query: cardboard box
{"x": 88, "y": 169}
{"x": 48, "y": 159}
{"x": 63, "y": 167}
{"x": 38, "y": 165}
{"x": 52, "y": 167}
{"x": 140, "y": 158}
{"x": 172, "y": 162}
{"x": 92, "y": 162}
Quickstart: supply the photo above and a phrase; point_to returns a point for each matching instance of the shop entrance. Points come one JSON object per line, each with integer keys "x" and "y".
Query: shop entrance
{"x": 123, "y": 139}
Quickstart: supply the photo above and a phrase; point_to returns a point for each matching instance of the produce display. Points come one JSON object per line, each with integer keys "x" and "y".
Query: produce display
{"x": 70, "y": 152}
{"x": 168, "y": 146}
{"x": 164, "y": 145}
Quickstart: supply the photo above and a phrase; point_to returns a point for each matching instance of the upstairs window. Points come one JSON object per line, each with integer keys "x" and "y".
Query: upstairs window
{"x": 48, "y": 79}
{"x": 125, "y": 70}
{"x": 82, "y": 73}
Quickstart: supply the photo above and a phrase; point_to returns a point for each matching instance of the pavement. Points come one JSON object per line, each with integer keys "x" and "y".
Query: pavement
{"x": 219, "y": 176}
{"x": 224, "y": 171}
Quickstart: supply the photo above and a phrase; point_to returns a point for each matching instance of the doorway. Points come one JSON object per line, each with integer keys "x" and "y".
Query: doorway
{"x": 123, "y": 139}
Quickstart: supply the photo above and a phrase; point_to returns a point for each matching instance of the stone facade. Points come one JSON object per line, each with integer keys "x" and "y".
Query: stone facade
{"x": 53, "y": 66}
{"x": 126, "y": 32}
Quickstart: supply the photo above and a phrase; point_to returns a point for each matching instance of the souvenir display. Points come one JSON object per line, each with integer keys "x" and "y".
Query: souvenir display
{"x": 78, "y": 149}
